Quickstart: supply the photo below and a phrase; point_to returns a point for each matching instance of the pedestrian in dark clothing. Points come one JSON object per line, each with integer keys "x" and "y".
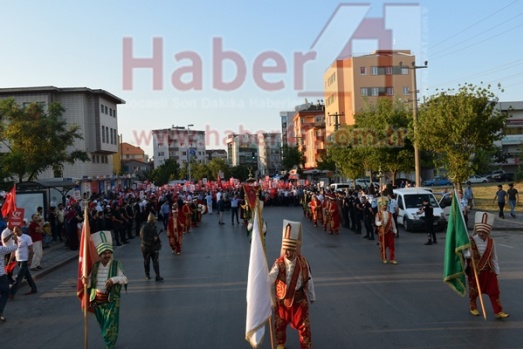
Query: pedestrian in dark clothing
{"x": 429, "y": 221}
{"x": 501, "y": 197}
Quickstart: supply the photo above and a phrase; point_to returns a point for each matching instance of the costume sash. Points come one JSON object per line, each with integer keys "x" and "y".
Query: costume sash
{"x": 384, "y": 229}
{"x": 288, "y": 293}
{"x": 483, "y": 261}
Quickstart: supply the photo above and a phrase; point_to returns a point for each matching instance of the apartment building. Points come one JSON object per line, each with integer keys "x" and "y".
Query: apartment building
{"x": 350, "y": 82}
{"x": 94, "y": 110}
{"x": 512, "y": 142}
{"x": 309, "y": 128}
{"x": 180, "y": 144}
{"x": 261, "y": 152}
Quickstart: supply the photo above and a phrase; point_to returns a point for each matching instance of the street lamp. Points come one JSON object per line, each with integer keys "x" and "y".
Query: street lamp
{"x": 189, "y": 152}
{"x": 417, "y": 166}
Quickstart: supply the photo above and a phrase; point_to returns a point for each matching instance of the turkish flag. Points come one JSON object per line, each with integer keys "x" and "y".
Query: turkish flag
{"x": 86, "y": 259}
{"x": 10, "y": 202}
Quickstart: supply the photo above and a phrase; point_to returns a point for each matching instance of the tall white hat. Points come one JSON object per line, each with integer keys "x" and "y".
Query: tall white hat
{"x": 483, "y": 222}
{"x": 103, "y": 241}
{"x": 291, "y": 236}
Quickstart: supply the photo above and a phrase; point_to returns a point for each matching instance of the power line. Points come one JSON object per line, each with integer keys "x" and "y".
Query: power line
{"x": 472, "y": 25}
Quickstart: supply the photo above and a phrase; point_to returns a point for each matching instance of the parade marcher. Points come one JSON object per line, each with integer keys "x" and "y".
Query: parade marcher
{"x": 316, "y": 210}
{"x": 429, "y": 219}
{"x": 37, "y": 235}
{"x": 294, "y": 288}
{"x": 8, "y": 239}
{"x": 393, "y": 208}
{"x": 104, "y": 286}
{"x": 24, "y": 257}
{"x": 187, "y": 213}
{"x": 485, "y": 258}
{"x": 150, "y": 247}
{"x": 386, "y": 231}
{"x": 368, "y": 218}
{"x": 4, "y": 280}
{"x": 334, "y": 215}
{"x": 175, "y": 231}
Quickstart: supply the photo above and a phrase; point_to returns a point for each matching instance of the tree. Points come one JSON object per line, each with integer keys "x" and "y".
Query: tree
{"x": 381, "y": 133}
{"x": 217, "y": 165}
{"x": 166, "y": 172}
{"x": 291, "y": 158}
{"x": 458, "y": 124}
{"x": 37, "y": 140}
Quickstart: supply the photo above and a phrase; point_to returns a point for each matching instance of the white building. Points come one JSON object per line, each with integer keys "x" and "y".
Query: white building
{"x": 512, "y": 142}
{"x": 259, "y": 152}
{"x": 95, "y": 111}
{"x": 180, "y": 144}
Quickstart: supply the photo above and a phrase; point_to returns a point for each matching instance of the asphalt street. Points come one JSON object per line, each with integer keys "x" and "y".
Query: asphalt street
{"x": 361, "y": 303}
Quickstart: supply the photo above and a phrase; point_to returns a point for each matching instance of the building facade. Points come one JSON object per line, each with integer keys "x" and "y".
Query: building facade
{"x": 352, "y": 82}
{"x": 512, "y": 142}
{"x": 309, "y": 128}
{"x": 93, "y": 110}
{"x": 180, "y": 144}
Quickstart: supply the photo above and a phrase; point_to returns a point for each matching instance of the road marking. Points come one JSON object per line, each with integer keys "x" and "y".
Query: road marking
{"x": 506, "y": 246}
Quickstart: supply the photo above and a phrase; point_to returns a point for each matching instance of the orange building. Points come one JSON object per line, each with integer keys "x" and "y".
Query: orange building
{"x": 309, "y": 128}
{"x": 349, "y": 82}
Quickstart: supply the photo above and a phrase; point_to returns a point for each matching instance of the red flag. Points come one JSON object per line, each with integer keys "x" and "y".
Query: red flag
{"x": 86, "y": 258}
{"x": 10, "y": 202}
{"x": 219, "y": 182}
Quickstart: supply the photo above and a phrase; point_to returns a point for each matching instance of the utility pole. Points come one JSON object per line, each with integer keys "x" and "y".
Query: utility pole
{"x": 417, "y": 166}
{"x": 337, "y": 115}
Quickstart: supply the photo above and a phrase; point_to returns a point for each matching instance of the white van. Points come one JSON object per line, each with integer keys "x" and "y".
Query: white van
{"x": 409, "y": 202}
{"x": 341, "y": 186}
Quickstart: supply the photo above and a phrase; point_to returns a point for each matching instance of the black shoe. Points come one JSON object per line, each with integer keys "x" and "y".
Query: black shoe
{"x": 435, "y": 242}
{"x": 30, "y": 292}
{"x": 159, "y": 278}
{"x": 371, "y": 238}
{"x": 365, "y": 237}
{"x": 147, "y": 277}
{"x": 126, "y": 242}
{"x": 428, "y": 243}
{"x": 118, "y": 244}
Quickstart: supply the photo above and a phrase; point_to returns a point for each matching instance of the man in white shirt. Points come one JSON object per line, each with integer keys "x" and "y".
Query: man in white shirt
{"x": 8, "y": 240}
{"x": 24, "y": 256}
{"x": 4, "y": 282}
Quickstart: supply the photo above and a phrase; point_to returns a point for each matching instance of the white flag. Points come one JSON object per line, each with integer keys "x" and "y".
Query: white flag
{"x": 259, "y": 297}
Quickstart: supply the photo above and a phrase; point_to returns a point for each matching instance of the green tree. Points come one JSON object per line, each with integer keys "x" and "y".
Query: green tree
{"x": 37, "y": 140}
{"x": 241, "y": 172}
{"x": 292, "y": 158}
{"x": 458, "y": 124}
{"x": 381, "y": 135}
{"x": 216, "y": 165}
{"x": 166, "y": 172}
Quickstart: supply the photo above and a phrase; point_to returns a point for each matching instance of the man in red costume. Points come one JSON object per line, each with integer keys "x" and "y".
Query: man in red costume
{"x": 294, "y": 288}
{"x": 175, "y": 231}
{"x": 484, "y": 256}
{"x": 332, "y": 215}
{"x": 187, "y": 215}
{"x": 316, "y": 210}
{"x": 386, "y": 231}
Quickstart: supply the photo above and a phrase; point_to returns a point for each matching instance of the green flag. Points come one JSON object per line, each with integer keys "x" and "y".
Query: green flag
{"x": 457, "y": 241}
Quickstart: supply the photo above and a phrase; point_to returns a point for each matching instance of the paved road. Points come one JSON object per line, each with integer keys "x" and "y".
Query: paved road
{"x": 361, "y": 303}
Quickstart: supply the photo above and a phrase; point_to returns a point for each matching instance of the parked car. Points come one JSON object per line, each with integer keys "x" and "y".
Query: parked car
{"x": 493, "y": 174}
{"x": 474, "y": 179}
{"x": 409, "y": 202}
{"x": 438, "y": 181}
{"x": 504, "y": 177}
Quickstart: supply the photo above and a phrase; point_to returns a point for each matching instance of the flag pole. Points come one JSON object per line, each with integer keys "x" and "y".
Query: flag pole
{"x": 477, "y": 285}
{"x": 84, "y": 279}
{"x": 262, "y": 237}
{"x": 474, "y": 268}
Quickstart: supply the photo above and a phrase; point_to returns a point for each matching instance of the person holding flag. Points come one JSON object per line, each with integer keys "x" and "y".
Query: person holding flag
{"x": 292, "y": 279}
{"x": 104, "y": 285}
{"x": 483, "y": 268}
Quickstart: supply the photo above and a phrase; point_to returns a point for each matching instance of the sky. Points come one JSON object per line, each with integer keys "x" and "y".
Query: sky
{"x": 232, "y": 66}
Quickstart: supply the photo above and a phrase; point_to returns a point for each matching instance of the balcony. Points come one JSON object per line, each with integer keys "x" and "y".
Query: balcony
{"x": 319, "y": 124}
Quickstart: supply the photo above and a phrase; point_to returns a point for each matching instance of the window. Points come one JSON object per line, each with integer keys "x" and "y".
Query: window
{"x": 363, "y": 70}
{"x": 374, "y": 91}
{"x": 105, "y": 107}
{"x": 406, "y": 90}
{"x": 390, "y": 91}
{"x": 110, "y": 111}
{"x": 101, "y": 108}
{"x": 103, "y": 134}
{"x": 364, "y": 91}
{"x": 388, "y": 70}
{"x": 404, "y": 71}
{"x": 373, "y": 70}
{"x": 161, "y": 153}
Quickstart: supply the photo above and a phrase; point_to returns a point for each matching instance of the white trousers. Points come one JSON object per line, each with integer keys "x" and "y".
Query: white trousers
{"x": 38, "y": 253}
